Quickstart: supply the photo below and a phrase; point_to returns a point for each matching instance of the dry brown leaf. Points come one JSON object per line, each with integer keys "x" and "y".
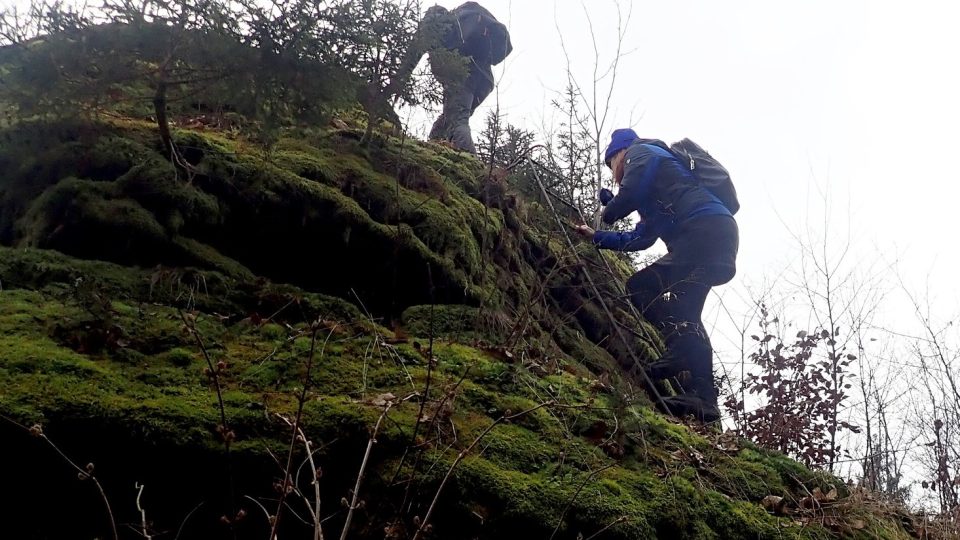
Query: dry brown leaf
{"x": 383, "y": 399}
{"x": 776, "y": 505}
{"x": 727, "y": 442}
{"x": 770, "y": 502}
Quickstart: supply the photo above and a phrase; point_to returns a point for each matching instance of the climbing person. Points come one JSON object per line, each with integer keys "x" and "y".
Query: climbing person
{"x": 702, "y": 238}
{"x": 484, "y": 42}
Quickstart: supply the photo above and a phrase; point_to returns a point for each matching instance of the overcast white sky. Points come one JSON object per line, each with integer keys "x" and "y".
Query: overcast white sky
{"x": 861, "y": 98}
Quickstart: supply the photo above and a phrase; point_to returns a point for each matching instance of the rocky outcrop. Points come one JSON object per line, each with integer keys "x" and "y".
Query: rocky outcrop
{"x": 162, "y": 323}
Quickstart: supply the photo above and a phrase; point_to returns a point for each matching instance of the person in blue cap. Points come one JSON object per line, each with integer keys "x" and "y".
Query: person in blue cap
{"x": 702, "y": 239}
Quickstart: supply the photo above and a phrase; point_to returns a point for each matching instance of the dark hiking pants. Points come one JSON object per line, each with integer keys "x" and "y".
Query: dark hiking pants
{"x": 671, "y": 292}
{"x": 459, "y": 102}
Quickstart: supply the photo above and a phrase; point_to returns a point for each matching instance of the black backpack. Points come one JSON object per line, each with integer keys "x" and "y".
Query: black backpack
{"x": 481, "y": 34}
{"x": 711, "y": 174}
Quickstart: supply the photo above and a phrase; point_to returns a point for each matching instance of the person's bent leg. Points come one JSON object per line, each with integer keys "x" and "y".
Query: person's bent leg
{"x": 689, "y": 341}
{"x": 476, "y": 88}
{"x": 686, "y": 336}
{"x": 458, "y": 119}
{"x": 441, "y": 126}
{"x": 439, "y": 129}
{"x": 481, "y": 89}
{"x": 646, "y": 289}
{"x": 672, "y": 302}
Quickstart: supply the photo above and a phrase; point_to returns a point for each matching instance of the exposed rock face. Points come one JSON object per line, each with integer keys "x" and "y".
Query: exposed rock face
{"x": 131, "y": 290}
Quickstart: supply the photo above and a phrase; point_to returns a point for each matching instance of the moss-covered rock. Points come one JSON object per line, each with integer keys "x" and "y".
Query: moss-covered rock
{"x": 162, "y": 323}
{"x": 580, "y": 463}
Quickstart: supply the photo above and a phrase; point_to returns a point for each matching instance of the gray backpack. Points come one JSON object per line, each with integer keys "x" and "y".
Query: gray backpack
{"x": 711, "y": 174}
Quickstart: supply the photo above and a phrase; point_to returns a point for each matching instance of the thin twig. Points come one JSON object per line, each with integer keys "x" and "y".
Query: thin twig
{"x": 574, "y": 498}
{"x": 143, "y": 513}
{"x": 301, "y": 400}
{"x": 266, "y": 513}
{"x": 315, "y": 482}
{"x": 187, "y": 518}
{"x": 86, "y": 473}
{"x": 226, "y": 434}
{"x": 408, "y": 491}
{"x": 618, "y": 521}
{"x": 363, "y": 469}
{"x": 213, "y": 373}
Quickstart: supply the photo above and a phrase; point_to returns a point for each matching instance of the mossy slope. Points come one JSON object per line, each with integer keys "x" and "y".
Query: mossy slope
{"x": 117, "y": 262}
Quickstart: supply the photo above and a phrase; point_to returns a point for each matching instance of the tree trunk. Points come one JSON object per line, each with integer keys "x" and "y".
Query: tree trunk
{"x": 160, "y": 109}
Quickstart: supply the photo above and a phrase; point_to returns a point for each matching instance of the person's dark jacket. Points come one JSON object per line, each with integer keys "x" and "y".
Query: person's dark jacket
{"x": 478, "y": 35}
{"x": 665, "y": 194}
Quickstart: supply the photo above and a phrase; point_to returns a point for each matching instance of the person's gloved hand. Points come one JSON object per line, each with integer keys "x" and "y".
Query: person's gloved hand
{"x": 605, "y": 196}
{"x": 585, "y": 231}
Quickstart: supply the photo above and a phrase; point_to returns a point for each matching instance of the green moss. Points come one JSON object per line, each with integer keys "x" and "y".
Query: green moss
{"x": 305, "y": 160}
{"x": 442, "y": 320}
{"x": 179, "y": 357}
{"x": 158, "y": 187}
{"x": 273, "y": 332}
{"x": 408, "y": 230}
{"x": 524, "y": 473}
{"x": 72, "y": 214}
{"x": 194, "y": 253}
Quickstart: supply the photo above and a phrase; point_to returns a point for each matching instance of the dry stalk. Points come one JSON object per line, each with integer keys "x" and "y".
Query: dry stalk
{"x": 187, "y": 518}
{"x": 379, "y": 342}
{"x": 266, "y": 513}
{"x": 423, "y": 400}
{"x": 285, "y": 486}
{"x": 363, "y": 469}
{"x": 463, "y": 454}
{"x": 408, "y": 491}
{"x": 317, "y": 529}
{"x": 143, "y": 513}
{"x": 315, "y": 482}
{"x": 88, "y": 474}
{"x": 213, "y": 372}
{"x": 413, "y": 442}
{"x": 83, "y": 473}
{"x": 619, "y": 520}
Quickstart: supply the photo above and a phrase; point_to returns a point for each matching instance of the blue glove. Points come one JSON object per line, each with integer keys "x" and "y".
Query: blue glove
{"x": 605, "y": 196}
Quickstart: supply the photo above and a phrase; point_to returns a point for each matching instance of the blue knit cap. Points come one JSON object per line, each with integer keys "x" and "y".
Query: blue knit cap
{"x": 619, "y": 140}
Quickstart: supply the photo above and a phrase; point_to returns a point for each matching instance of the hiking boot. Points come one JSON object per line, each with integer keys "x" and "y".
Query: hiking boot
{"x": 690, "y": 405}
{"x": 699, "y": 400}
{"x": 665, "y": 368}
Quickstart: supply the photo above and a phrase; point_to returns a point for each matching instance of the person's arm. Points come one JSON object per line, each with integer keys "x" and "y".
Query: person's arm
{"x": 640, "y": 238}
{"x": 433, "y": 30}
{"x": 638, "y": 176}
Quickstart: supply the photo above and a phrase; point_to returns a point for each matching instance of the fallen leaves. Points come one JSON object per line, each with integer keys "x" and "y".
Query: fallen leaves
{"x": 818, "y": 498}
{"x": 815, "y": 501}
{"x": 383, "y": 400}
{"x": 776, "y": 505}
{"x": 824, "y": 508}
{"x": 728, "y": 442}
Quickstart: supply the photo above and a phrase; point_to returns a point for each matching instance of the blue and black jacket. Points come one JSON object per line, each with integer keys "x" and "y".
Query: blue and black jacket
{"x": 662, "y": 190}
